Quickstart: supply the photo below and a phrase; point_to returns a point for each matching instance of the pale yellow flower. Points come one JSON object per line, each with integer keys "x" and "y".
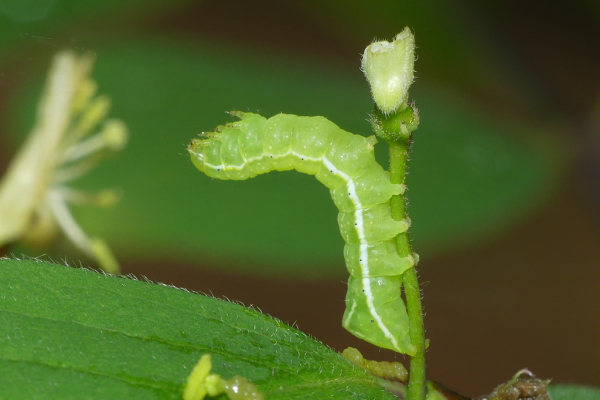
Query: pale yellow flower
{"x": 61, "y": 147}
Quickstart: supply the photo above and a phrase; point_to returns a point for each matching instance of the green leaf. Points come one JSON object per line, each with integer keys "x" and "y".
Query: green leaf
{"x": 574, "y": 392}
{"x": 468, "y": 178}
{"x": 70, "y": 333}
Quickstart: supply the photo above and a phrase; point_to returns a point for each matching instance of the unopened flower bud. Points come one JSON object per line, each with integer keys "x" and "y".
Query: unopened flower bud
{"x": 389, "y": 68}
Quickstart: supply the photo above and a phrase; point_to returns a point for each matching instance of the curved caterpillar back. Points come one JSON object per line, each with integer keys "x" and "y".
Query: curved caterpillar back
{"x": 361, "y": 190}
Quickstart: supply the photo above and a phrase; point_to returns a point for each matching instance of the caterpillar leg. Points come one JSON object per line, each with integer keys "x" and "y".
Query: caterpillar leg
{"x": 383, "y": 369}
{"x": 202, "y": 383}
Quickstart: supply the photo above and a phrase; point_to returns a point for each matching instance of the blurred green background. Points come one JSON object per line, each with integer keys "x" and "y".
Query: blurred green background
{"x": 503, "y": 182}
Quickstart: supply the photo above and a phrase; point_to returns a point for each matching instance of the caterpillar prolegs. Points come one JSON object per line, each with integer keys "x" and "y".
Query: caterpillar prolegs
{"x": 361, "y": 190}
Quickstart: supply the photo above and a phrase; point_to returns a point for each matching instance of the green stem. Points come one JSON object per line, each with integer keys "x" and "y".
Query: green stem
{"x": 416, "y": 383}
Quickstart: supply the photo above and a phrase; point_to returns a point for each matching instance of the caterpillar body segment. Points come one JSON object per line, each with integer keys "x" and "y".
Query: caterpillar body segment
{"x": 361, "y": 189}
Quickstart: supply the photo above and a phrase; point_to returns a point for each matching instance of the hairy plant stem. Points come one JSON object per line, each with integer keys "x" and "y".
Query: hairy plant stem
{"x": 416, "y": 383}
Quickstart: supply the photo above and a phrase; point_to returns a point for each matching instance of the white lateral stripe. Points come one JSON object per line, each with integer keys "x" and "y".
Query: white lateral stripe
{"x": 350, "y": 313}
{"x": 364, "y": 255}
{"x": 224, "y": 167}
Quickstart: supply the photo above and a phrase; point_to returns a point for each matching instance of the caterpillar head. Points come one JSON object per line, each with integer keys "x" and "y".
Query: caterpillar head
{"x": 225, "y": 144}
{"x": 195, "y": 150}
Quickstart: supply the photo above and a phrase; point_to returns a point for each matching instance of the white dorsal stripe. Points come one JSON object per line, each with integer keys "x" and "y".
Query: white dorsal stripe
{"x": 364, "y": 255}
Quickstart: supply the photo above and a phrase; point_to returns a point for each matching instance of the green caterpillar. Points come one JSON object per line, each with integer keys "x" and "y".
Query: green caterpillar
{"x": 361, "y": 190}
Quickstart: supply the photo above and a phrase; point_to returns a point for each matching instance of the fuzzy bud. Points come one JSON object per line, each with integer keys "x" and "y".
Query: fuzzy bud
{"x": 389, "y": 68}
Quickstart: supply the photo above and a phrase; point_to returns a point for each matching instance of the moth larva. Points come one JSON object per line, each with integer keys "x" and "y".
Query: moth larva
{"x": 361, "y": 190}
